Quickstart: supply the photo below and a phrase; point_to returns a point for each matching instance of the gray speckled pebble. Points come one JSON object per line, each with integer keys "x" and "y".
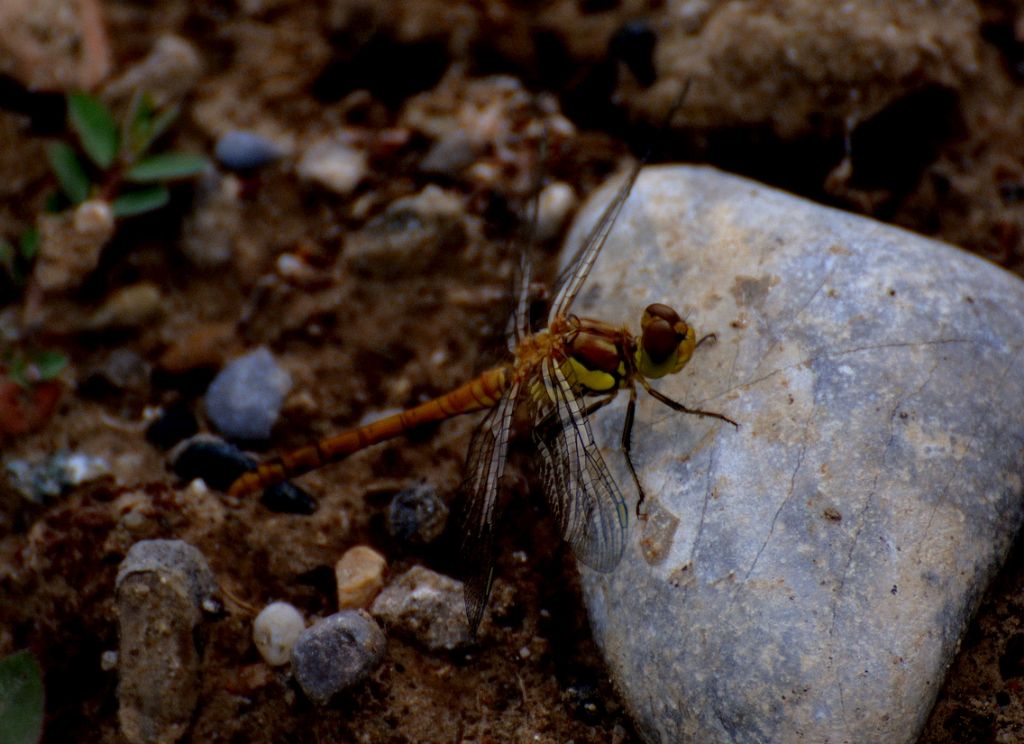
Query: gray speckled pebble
{"x": 427, "y": 606}
{"x": 162, "y": 588}
{"x": 336, "y": 653}
{"x": 808, "y": 577}
{"x": 245, "y": 398}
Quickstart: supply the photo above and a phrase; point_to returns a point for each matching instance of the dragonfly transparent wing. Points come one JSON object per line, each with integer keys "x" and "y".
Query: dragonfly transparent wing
{"x": 580, "y": 492}
{"x": 569, "y": 282}
{"x": 485, "y": 463}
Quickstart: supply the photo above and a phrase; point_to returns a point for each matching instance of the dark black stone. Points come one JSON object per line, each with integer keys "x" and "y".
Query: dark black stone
{"x": 176, "y": 423}
{"x": 417, "y": 514}
{"x": 215, "y": 461}
{"x": 287, "y": 498}
{"x": 633, "y": 44}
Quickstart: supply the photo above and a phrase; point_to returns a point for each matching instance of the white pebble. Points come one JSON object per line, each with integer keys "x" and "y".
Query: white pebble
{"x": 275, "y": 630}
{"x": 555, "y": 203}
{"x": 332, "y": 164}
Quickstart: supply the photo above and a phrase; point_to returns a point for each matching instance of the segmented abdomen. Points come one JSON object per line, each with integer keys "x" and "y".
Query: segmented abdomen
{"x": 479, "y": 393}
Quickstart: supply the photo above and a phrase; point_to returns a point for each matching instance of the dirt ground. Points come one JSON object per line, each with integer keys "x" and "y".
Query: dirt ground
{"x": 911, "y": 113}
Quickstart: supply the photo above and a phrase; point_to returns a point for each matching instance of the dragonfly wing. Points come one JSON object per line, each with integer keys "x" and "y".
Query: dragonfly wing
{"x": 485, "y": 463}
{"x": 580, "y": 492}
{"x": 572, "y": 277}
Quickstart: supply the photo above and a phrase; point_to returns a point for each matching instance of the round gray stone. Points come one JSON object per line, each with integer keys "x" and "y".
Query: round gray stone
{"x": 807, "y": 577}
{"x": 336, "y": 653}
{"x": 245, "y": 398}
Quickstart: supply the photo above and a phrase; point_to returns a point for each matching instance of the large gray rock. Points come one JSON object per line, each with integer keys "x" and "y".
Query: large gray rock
{"x": 807, "y": 577}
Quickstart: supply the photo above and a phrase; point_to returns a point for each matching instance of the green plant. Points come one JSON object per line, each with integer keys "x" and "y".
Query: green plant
{"x": 31, "y": 368}
{"x": 119, "y": 165}
{"x": 16, "y": 259}
{"x": 29, "y": 389}
{"x": 21, "y": 699}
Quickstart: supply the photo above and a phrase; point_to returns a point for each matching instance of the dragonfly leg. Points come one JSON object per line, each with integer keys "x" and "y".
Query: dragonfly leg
{"x": 706, "y": 337}
{"x": 677, "y": 406}
{"x": 598, "y": 404}
{"x": 626, "y": 444}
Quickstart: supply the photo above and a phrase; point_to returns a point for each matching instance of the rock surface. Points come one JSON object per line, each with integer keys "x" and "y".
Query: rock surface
{"x": 806, "y": 577}
{"x": 162, "y": 588}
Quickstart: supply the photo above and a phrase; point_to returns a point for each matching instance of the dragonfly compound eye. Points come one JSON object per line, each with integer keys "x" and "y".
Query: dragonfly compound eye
{"x": 666, "y": 341}
{"x": 660, "y": 340}
{"x": 658, "y": 310}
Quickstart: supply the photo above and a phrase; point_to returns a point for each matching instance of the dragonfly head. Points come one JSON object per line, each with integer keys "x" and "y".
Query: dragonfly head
{"x": 666, "y": 342}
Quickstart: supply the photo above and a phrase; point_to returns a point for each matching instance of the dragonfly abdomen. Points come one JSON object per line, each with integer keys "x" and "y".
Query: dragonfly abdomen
{"x": 481, "y": 392}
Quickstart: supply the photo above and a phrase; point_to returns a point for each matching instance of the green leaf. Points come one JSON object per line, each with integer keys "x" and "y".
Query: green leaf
{"x": 162, "y": 122}
{"x": 28, "y": 243}
{"x": 48, "y": 364}
{"x": 21, "y": 699}
{"x": 138, "y": 201}
{"x": 147, "y": 125}
{"x": 8, "y": 260}
{"x": 96, "y": 128}
{"x": 18, "y": 371}
{"x": 167, "y": 166}
{"x": 69, "y": 171}
{"x": 139, "y": 125}
{"x": 56, "y": 201}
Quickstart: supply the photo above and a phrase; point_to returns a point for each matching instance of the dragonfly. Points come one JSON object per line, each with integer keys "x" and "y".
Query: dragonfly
{"x": 561, "y": 374}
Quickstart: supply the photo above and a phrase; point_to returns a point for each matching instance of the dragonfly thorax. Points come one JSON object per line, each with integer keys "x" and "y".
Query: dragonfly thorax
{"x": 596, "y": 355}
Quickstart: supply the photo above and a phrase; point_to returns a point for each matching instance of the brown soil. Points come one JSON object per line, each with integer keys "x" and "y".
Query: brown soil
{"x": 913, "y": 115}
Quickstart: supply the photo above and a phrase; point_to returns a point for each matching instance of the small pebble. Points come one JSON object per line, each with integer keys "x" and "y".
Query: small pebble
{"x": 245, "y": 398}
{"x": 275, "y": 630}
{"x": 333, "y": 165}
{"x": 287, "y": 498}
{"x": 122, "y": 370}
{"x": 70, "y": 244}
{"x": 167, "y": 74}
{"x": 46, "y": 480}
{"x": 53, "y": 46}
{"x": 108, "y": 660}
{"x": 215, "y": 461}
{"x": 584, "y": 700}
{"x": 214, "y": 226}
{"x": 449, "y": 155}
{"x": 161, "y": 586}
{"x": 555, "y": 203}
{"x": 428, "y": 606}
{"x": 409, "y": 236}
{"x": 417, "y": 515}
{"x": 242, "y": 150}
{"x": 360, "y": 576}
{"x": 175, "y": 423}
{"x": 203, "y": 346}
{"x": 133, "y": 306}
{"x": 336, "y": 653}
{"x": 296, "y": 270}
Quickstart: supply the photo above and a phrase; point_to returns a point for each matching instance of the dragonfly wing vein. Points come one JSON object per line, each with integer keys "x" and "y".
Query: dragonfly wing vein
{"x": 571, "y": 280}
{"x": 581, "y": 493}
{"x": 485, "y": 462}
